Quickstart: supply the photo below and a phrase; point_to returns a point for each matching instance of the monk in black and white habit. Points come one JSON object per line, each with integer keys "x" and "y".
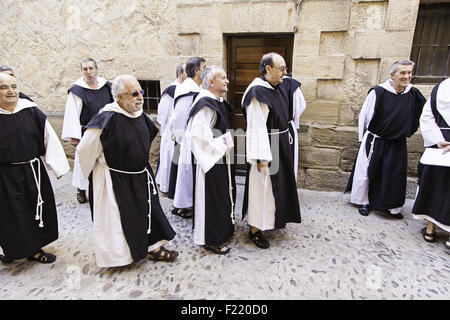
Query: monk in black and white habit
{"x": 433, "y": 195}
{"x": 28, "y": 220}
{"x": 210, "y": 122}
{"x": 388, "y": 116}
{"x": 165, "y": 109}
{"x": 297, "y": 104}
{"x": 271, "y": 198}
{"x": 129, "y": 223}
{"x": 181, "y": 176}
{"x": 85, "y": 98}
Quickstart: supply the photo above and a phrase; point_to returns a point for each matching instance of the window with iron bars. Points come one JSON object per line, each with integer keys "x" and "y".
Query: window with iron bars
{"x": 431, "y": 44}
{"x": 152, "y": 95}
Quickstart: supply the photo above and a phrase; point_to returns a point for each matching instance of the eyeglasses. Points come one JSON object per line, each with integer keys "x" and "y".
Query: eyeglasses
{"x": 282, "y": 68}
{"x": 136, "y": 93}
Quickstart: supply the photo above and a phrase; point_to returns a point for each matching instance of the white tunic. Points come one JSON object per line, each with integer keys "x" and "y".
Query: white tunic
{"x": 432, "y": 133}
{"x": 261, "y": 202}
{"x": 207, "y": 151}
{"x": 165, "y": 109}
{"x": 72, "y": 128}
{"x": 360, "y": 185}
{"x": 178, "y": 123}
{"x": 299, "y": 104}
{"x": 110, "y": 246}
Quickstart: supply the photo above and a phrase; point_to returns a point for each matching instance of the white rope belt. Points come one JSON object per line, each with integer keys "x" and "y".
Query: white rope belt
{"x": 291, "y": 140}
{"x": 37, "y": 180}
{"x": 149, "y": 181}
{"x": 230, "y": 187}
{"x": 372, "y": 144}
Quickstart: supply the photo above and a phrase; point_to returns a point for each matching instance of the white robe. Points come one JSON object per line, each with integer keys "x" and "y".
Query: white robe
{"x": 360, "y": 185}
{"x": 299, "y": 108}
{"x": 54, "y": 157}
{"x": 165, "y": 109}
{"x": 432, "y": 133}
{"x": 72, "y": 128}
{"x": 110, "y": 246}
{"x": 207, "y": 151}
{"x": 261, "y": 202}
{"x": 178, "y": 123}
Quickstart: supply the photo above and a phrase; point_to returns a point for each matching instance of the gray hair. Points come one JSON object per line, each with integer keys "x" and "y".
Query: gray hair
{"x": 266, "y": 60}
{"x": 210, "y": 74}
{"x": 403, "y": 62}
{"x": 88, "y": 60}
{"x": 5, "y": 68}
{"x": 193, "y": 64}
{"x": 118, "y": 87}
{"x": 180, "y": 69}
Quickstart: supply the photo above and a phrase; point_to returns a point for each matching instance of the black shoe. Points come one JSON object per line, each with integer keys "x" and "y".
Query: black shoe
{"x": 5, "y": 259}
{"x": 398, "y": 216}
{"x": 259, "y": 240}
{"x": 81, "y": 196}
{"x": 364, "y": 210}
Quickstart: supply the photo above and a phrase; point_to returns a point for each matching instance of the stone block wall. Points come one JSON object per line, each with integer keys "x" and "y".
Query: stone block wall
{"x": 341, "y": 49}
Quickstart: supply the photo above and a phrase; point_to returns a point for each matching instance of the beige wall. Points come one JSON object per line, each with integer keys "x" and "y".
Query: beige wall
{"x": 341, "y": 49}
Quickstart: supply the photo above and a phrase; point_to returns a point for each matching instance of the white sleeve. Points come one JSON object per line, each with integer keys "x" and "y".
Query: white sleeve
{"x": 299, "y": 106}
{"x": 71, "y": 125}
{"x": 55, "y": 158}
{"x": 165, "y": 107}
{"x": 257, "y": 141}
{"x": 206, "y": 149}
{"x": 89, "y": 150}
{"x": 430, "y": 131}
{"x": 366, "y": 114}
{"x": 179, "y": 118}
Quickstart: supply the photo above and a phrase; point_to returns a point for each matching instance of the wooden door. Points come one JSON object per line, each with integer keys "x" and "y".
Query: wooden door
{"x": 243, "y": 56}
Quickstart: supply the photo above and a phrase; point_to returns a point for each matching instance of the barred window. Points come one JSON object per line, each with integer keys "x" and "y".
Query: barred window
{"x": 152, "y": 94}
{"x": 431, "y": 44}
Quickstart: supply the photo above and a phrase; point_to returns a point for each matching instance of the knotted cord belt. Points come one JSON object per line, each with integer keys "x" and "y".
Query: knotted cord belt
{"x": 149, "y": 182}
{"x": 230, "y": 187}
{"x": 37, "y": 180}
{"x": 372, "y": 145}
{"x": 291, "y": 140}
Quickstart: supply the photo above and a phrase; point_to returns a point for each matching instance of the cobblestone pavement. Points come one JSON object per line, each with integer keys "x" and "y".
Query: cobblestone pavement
{"x": 335, "y": 253}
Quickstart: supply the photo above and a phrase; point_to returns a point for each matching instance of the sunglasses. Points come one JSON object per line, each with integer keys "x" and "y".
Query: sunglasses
{"x": 136, "y": 93}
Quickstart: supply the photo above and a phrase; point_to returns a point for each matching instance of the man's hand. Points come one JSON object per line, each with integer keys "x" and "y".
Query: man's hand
{"x": 444, "y": 145}
{"x": 263, "y": 168}
{"x": 74, "y": 141}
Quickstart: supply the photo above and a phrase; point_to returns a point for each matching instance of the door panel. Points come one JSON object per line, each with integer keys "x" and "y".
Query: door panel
{"x": 243, "y": 56}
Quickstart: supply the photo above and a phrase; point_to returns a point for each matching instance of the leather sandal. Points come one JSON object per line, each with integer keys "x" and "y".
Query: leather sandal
{"x": 259, "y": 240}
{"x": 4, "y": 259}
{"x": 222, "y": 249}
{"x": 183, "y": 213}
{"x": 81, "y": 196}
{"x": 163, "y": 255}
{"x": 42, "y": 257}
{"x": 428, "y": 237}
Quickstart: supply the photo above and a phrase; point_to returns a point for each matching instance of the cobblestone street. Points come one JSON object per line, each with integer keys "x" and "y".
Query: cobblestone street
{"x": 335, "y": 253}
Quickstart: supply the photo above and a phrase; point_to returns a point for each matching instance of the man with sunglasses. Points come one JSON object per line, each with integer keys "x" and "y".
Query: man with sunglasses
{"x": 129, "y": 223}
{"x": 86, "y": 97}
{"x": 270, "y": 198}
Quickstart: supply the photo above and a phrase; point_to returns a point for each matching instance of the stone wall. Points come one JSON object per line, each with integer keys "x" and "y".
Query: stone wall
{"x": 341, "y": 49}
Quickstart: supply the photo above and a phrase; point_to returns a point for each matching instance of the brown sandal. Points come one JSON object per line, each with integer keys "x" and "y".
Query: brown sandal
{"x": 81, "y": 196}
{"x": 222, "y": 249}
{"x": 163, "y": 255}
